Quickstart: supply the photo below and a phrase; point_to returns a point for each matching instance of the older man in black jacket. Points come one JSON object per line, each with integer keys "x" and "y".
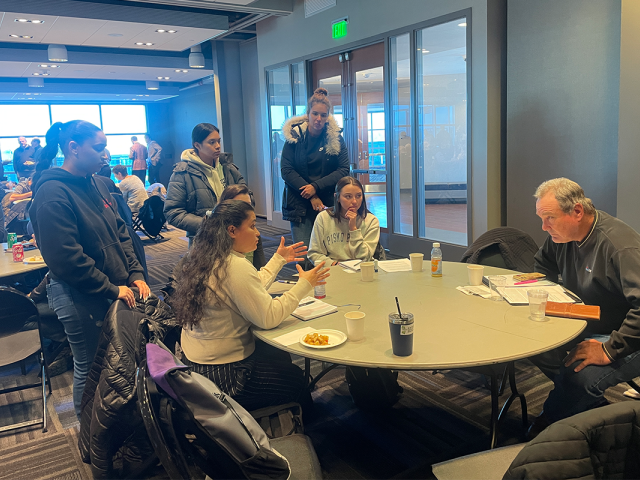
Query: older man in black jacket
{"x": 598, "y": 257}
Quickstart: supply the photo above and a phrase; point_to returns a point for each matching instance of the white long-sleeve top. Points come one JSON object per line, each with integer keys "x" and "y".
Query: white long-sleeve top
{"x": 331, "y": 239}
{"x": 224, "y": 333}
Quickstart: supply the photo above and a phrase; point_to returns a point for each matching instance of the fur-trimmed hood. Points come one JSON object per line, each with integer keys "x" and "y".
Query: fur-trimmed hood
{"x": 296, "y": 128}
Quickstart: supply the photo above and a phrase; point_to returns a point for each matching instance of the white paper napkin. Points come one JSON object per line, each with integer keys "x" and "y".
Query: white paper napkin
{"x": 293, "y": 337}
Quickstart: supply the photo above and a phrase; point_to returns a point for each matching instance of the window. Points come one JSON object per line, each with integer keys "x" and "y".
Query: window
{"x": 127, "y": 119}
{"x": 66, "y": 113}
{"x": 26, "y": 120}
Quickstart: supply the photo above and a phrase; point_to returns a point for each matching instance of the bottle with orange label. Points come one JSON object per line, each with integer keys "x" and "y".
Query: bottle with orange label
{"x": 436, "y": 260}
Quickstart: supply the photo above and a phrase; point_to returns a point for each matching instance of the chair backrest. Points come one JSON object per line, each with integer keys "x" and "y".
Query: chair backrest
{"x": 599, "y": 443}
{"x": 138, "y": 249}
{"x": 15, "y": 310}
{"x": 517, "y": 249}
{"x": 151, "y": 215}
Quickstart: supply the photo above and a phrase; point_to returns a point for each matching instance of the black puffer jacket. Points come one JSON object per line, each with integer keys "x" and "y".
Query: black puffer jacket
{"x": 601, "y": 443}
{"x": 110, "y": 420}
{"x": 190, "y": 195}
{"x": 516, "y": 247}
{"x": 293, "y": 167}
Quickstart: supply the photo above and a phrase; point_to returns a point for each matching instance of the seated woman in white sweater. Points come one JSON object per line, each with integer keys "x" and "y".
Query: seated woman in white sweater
{"x": 347, "y": 231}
{"x": 220, "y": 296}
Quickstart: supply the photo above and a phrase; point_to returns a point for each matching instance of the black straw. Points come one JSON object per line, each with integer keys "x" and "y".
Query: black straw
{"x": 399, "y": 311}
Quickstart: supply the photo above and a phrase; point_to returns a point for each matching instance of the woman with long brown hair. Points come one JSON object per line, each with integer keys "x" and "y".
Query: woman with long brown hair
{"x": 220, "y": 296}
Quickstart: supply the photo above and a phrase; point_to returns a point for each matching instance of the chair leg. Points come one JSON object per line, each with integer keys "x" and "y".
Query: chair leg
{"x": 45, "y": 378}
{"x": 23, "y": 367}
{"x": 46, "y": 370}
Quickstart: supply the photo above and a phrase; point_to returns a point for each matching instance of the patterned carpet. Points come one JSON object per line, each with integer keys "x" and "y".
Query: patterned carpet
{"x": 441, "y": 415}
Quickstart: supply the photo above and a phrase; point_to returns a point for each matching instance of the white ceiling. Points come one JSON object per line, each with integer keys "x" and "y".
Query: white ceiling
{"x": 81, "y": 97}
{"x": 102, "y": 72}
{"x": 100, "y": 33}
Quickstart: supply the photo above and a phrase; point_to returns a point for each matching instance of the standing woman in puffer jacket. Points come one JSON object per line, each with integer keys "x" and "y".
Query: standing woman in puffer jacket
{"x": 83, "y": 241}
{"x": 313, "y": 159}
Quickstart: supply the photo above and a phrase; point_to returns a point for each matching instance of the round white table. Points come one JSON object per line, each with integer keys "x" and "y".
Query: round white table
{"x": 451, "y": 329}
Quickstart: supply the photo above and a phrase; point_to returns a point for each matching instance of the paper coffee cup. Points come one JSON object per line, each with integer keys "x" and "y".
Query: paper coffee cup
{"x": 366, "y": 270}
{"x": 475, "y": 274}
{"x": 416, "y": 261}
{"x": 355, "y": 325}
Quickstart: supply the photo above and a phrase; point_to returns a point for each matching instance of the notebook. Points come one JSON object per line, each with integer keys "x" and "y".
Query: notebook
{"x": 351, "y": 264}
{"x": 310, "y": 308}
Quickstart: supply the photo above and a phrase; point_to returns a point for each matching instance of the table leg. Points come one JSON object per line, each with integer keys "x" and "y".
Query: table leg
{"x": 493, "y": 429}
{"x": 307, "y": 370}
{"x": 511, "y": 371}
{"x": 320, "y": 375}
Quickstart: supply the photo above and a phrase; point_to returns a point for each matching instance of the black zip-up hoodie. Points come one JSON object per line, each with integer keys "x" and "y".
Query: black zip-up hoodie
{"x": 83, "y": 240}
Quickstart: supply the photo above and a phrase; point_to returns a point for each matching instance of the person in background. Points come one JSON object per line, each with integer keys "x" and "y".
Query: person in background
{"x": 138, "y": 153}
{"x": 105, "y": 167}
{"x": 198, "y": 180}
{"x": 220, "y": 297}
{"x": 347, "y": 231}
{"x": 132, "y": 189}
{"x": 598, "y": 257}
{"x": 15, "y": 206}
{"x": 153, "y": 162}
{"x": 35, "y": 145}
{"x": 83, "y": 241}
{"x": 313, "y": 159}
{"x": 23, "y": 164}
{"x": 242, "y": 192}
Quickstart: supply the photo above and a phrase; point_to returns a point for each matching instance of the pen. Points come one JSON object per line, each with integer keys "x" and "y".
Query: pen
{"x": 306, "y": 303}
{"x": 525, "y": 282}
{"x": 287, "y": 281}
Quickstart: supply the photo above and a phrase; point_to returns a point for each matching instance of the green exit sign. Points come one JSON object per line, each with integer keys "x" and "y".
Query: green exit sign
{"x": 339, "y": 28}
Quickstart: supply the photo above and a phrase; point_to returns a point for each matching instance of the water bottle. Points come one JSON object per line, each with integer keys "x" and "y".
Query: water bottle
{"x": 436, "y": 260}
{"x": 319, "y": 291}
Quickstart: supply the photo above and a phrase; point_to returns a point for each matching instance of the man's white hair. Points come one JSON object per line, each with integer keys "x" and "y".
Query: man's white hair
{"x": 568, "y": 194}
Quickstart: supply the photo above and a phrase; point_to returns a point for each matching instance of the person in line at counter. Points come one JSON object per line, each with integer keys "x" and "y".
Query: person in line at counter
{"x": 347, "y": 231}
{"x": 598, "y": 257}
{"x": 83, "y": 241}
{"x": 313, "y": 159}
{"x": 220, "y": 296}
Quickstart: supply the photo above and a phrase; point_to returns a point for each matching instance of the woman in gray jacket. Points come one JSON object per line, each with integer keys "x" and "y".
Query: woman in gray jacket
{"x": 198, "y": 180}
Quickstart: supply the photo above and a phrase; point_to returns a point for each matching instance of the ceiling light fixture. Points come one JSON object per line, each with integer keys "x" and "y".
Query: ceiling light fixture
{"x": 196, "y": 58}
{"x": 57, "y": 53}
{"x": 463, "y": 24}
{"x": 183, "y": 71}
{"x": 152, "y": 85}
{"x": 49, "y": 66}
{"x": 147, "y": 44}
{"x": 161, "y": 30}
{"x": 35, "y": 82}
{"x": 26, "y": 20}
{"x": 13, "y": 35}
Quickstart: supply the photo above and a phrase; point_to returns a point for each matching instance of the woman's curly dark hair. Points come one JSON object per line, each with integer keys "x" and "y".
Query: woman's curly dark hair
{"x": 207, "y": 262}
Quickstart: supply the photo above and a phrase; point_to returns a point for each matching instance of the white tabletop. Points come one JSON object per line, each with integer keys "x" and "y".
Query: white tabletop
{"x": 8, "y": 267}
{"x": 452, "y": 330}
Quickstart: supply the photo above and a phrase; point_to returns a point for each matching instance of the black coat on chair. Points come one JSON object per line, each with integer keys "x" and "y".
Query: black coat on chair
{"x": 503, "y": 247}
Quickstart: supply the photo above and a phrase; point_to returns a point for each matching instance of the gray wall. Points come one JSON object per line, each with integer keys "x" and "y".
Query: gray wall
{"x": 253, "y": 130}
{"x": 193, "y": 106}
{"x": 562, "y": 102}
{"x": 282, "y": 39}
{"x": 629, "y": 118}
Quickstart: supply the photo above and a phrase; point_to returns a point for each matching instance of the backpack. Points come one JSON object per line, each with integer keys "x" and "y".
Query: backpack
{"x": 151, "y": 215}
{"x": 219, "y": 423}
{"x": 373, "y": 388}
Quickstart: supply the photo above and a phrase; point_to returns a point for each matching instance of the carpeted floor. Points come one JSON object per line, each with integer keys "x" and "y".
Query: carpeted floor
{"x": 441, "y": 415}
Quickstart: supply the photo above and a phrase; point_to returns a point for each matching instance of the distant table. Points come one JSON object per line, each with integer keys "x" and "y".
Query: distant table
{"x": 9, "y": 268}
{"x": 451, "y": 330}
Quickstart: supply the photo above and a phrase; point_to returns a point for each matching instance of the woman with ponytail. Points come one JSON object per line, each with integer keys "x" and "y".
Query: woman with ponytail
{"x": 220, "y": 297}
{"x": 83, "y": 240}
{"x": 313, "y": 160}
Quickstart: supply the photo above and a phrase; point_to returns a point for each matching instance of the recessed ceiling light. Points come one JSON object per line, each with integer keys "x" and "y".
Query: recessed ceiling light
{"x": 44, "y": 65}
{"x": 26, "y": 20}
{"x": 163, "y": 78}
{"x": 26, "y": 94}
{"x": 171, "y": 31}
{"x": 22, "y": 20}
{"x": 145, "y": 95}
{"x": 13, "y": 35}
{"x": 36, "y": 74}
{"x": 463, "y": 24}
{"x": 183, "y": 71}
{"x": 148, "y": 44}
{"x": 160, "y": 31}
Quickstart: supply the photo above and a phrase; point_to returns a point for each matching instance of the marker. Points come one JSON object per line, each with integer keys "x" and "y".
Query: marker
{"x": 287, "y": 281}
{"x": 525, "y": 282}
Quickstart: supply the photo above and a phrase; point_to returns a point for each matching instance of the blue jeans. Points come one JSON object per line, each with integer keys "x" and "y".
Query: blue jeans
{"x": 578, "y": 392}
{"x": 301, "y": 231}
{"x": 82, "y": 316}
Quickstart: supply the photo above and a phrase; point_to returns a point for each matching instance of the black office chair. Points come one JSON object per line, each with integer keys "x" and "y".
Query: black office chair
{"x": 16, "y": 309}
{"x": 150, "y": 219}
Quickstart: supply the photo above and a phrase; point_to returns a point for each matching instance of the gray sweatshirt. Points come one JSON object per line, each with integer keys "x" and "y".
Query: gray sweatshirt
{"x": 332, "y": 241}
{"x": 604, "y": 270}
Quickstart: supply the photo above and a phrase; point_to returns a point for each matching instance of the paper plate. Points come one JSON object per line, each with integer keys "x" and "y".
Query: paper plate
{"x": 34, "y": 261}
{"x": 336, "y": 337}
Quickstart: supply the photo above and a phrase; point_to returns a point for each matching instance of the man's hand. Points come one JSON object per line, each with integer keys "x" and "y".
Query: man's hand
{"x": 292, "y": 253}
{"x": 143, "y": 288}
{"x": 351, "y": 216}
{"x": 590, "y": 352}
{"x": 307, "y": 191}
{"x": 317, "y": 204}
